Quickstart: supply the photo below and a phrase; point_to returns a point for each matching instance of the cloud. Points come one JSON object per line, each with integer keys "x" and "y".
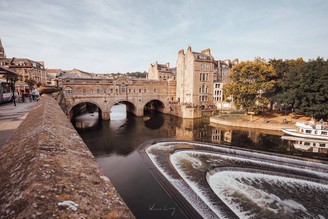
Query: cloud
{"x": 128, "y": 35}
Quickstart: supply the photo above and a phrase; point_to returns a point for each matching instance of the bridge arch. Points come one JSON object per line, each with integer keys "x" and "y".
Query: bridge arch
{"x": 130, "y": 107}
{"x": 154, "y": 105}
{"x": 85, "y": 102}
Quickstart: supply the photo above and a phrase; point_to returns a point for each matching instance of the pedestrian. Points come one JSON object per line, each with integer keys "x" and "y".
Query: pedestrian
{"x": 35, "y": 94}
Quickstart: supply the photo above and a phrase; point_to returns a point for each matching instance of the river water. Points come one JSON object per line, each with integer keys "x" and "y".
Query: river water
{"x": 114, "y": 143}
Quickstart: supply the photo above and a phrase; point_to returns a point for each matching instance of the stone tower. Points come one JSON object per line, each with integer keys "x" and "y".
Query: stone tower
{"x": 2, "y": 51}
{"x": 195, "y": 72}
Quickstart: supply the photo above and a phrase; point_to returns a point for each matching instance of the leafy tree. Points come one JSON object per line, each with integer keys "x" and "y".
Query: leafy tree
{"x": 304, "y": 86}
{"x": 313, "y": 90}
{"x": 251, "y": 81}
{"x": 30, "y": 83}
{"x": 288, "y": 73}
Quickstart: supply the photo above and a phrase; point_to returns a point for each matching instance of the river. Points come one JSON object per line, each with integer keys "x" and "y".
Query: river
{"x": 114, "y": 143}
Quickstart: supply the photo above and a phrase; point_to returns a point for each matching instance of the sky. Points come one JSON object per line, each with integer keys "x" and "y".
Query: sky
{"x": 105, "y": 36}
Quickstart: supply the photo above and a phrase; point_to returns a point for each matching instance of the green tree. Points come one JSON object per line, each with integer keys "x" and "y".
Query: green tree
{"x": 251, "y": 82}
{"x": 288, "y": 73}
{"x": 313, "y": 90}
{"x": 304, "y": 86}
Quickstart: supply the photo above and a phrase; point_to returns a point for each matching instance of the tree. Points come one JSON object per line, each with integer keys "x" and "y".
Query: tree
{"x": 30, "y": 83}
{"x": 288, "y": 73}
{"x": 304, "y": 86}
{"x": 313, "y": 92}
{"x": 251, "y": 81}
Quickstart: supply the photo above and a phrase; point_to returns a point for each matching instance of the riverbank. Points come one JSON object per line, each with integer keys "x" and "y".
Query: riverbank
{"x": 271, "y": 121}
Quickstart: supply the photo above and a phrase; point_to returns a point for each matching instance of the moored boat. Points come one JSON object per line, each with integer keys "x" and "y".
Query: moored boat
{"x": 309, "y": 130}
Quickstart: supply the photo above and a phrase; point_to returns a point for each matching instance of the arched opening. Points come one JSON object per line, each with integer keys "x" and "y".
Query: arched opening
{"x": 154, "y": 106}
{"x": 85, "y": 115}
{"x": 122, "y": 110}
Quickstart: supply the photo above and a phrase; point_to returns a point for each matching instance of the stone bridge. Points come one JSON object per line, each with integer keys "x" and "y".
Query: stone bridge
{"x": 136, "y": 94}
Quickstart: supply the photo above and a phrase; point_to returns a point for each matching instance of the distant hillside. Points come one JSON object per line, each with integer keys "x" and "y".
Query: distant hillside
{"x": 136, "y": 74}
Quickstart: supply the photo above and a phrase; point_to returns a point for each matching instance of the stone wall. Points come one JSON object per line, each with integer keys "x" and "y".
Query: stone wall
{"x": 47, "y": 171}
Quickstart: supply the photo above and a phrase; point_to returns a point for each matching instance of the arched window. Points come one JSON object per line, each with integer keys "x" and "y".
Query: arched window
{"x": 68, "y": 90}
{"x": 203, "y": 89}
{"x": 122, "y": 88}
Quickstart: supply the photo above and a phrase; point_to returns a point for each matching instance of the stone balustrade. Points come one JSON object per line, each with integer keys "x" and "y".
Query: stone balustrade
{"x": 47, "y": 171}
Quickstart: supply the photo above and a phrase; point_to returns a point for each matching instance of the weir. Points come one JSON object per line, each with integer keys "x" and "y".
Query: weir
{"x": 47, "y": 171}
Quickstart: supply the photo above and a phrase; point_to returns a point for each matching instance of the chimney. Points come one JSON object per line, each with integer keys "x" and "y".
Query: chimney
{"x": 189, "y": 49}
{"x": 207, "y": 51}
{"x": 168, "y": 65}
{"x": 181, "y": 51}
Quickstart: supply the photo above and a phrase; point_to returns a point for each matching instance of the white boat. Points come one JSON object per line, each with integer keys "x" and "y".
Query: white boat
{"x": 309, "y": 130}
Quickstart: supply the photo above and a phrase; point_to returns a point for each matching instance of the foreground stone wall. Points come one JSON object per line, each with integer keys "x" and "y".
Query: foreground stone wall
{"x": 47, "y": 171}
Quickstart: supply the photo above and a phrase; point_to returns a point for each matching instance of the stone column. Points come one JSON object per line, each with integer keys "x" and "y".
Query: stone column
{"x": 105, "y": 116}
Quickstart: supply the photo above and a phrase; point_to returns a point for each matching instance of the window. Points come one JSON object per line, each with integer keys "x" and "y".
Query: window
{"x": 68, "y": 91}
{"x": 204, "y": 76}
{"x": 98, "y": 91}
{"x": 203, "y": 89}
{"x": 122, "y": 88}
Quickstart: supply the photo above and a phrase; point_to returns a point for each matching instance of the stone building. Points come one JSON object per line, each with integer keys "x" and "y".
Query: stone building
{"x": 221, "y": 77}
{"x": 27, "y": 69}
{"x": 195, "y": 71}
{"x": 161, "y": 72}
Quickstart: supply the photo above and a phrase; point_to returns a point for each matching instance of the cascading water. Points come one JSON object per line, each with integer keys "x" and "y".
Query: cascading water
{"x": 229, "y": 182}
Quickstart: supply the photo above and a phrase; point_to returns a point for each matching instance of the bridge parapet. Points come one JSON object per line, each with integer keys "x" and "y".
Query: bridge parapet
{"x": 47, "y": 171}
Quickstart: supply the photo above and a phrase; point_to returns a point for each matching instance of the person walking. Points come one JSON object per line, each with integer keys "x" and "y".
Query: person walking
{"x": 35, "y": 94}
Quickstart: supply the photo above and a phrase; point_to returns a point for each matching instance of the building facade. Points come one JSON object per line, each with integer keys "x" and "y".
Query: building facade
{"x": 27, "y": 69}
{"x": 161, "y": 72}
{"x": 221, "y": 77}
{"x": 195, "y": 71}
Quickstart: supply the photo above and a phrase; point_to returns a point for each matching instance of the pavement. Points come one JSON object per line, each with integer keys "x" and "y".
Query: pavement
{"x": 11, "y": 117}
{"x": 272, "y": 122}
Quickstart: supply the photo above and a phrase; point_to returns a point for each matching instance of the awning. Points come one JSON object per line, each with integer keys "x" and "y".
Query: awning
{"x": 8, "y": 74}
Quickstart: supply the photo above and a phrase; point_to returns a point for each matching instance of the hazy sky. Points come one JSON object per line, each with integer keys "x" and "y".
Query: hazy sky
{"x": 127, "y": 35}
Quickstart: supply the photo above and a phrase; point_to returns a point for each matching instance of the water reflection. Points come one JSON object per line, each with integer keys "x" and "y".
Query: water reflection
{"x": 307, "y": 145}
{"x": 154, "y": 121}
{"x": 124, "y": 132}
{"x": 114, "y": 145}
